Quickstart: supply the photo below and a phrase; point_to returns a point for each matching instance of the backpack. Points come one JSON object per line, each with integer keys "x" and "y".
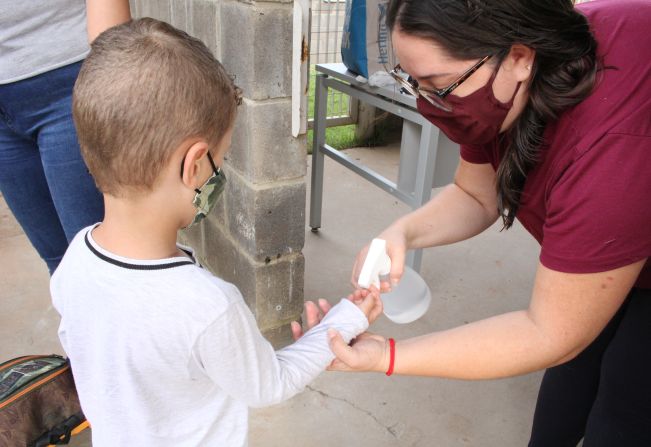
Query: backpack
{"x": 38, "y": 402}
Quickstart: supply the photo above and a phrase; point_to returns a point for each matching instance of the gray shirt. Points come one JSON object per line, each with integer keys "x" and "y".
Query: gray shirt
{"x": 37, "y": 36}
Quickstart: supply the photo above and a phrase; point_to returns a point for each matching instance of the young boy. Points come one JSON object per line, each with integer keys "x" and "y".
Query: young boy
{"x": 163, "y": 352}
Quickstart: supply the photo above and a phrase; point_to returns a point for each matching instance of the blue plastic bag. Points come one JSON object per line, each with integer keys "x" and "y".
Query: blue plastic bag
{"x": 366, "y": 42}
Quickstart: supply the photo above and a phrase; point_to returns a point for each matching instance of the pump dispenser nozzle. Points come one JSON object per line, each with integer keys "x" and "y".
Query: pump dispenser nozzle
{"x": 407, "y": 301}
{"x": 377, "y": 263}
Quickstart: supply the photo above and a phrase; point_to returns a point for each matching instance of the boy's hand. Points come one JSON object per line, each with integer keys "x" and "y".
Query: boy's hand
{"x": 369, "y": 302}
{"x": 313, "y": 316}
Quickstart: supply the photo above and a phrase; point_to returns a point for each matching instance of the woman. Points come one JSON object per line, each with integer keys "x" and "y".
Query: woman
{"x": 42, "y": 176}
{"x": 552, "y": 108}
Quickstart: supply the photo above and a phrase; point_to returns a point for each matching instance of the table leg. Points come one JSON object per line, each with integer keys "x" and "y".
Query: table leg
{"x": 409, "y": 144}
{"x": 427, "y": 156}
{"x": 319, "y": 128}
{"x": 424, "y": 175}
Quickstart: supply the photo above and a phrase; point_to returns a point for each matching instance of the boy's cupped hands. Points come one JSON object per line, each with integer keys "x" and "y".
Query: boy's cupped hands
{"x": 370, "y": 303}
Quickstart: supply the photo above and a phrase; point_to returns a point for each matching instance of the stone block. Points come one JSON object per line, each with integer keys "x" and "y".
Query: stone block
{"x": 279, "y": 337}
{"x": 279, "y": 291}
{"x": 251, "y": 2}
{"x": 199, "y": 18}
{"x": 157, "y": 9}
{"x": 256, "y": 44}
{"x": 222, "y": 256}
{"x": 205, "y": 23}
{"x": 267, "y": 222}
{"x": 263, "y": 148}
{"x": 181, "y": 14}
{"x": 273, "y": 290}
{"x": 133, "y": 7}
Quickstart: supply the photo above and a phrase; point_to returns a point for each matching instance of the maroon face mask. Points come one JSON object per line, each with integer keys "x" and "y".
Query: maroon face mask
{"x": 474, "y": 119}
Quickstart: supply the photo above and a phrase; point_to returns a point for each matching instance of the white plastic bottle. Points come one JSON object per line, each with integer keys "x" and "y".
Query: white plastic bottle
{"x": 407, "y": 301}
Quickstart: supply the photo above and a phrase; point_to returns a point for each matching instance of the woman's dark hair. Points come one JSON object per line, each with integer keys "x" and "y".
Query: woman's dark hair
{"x": 563, "y": 73}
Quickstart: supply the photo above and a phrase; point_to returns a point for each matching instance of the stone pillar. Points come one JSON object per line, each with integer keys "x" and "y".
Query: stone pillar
{"x": 255, "y": 236}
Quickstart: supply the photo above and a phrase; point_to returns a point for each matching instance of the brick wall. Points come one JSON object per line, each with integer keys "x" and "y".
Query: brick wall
{"x": 255, "y": 235}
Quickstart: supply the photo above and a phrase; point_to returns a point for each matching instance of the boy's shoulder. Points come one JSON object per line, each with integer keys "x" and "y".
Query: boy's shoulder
{"x": 203, "y": 285}
{"x": 88, "y": 270}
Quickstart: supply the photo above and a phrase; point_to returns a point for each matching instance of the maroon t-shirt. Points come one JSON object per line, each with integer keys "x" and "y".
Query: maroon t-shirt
{"x": 588, "y": 200}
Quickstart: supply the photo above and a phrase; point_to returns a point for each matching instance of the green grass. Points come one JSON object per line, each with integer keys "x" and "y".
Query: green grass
{"x": 335, "y": 105}
{"x": 339, "y": 137}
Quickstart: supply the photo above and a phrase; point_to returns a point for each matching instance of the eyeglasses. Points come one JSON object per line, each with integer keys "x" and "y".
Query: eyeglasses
{"x": 436, "y": 97}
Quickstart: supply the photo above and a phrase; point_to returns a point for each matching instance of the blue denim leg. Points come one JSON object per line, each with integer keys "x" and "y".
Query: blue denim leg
{"x": 24, "y": 187}
{"x": 42, "y": 175}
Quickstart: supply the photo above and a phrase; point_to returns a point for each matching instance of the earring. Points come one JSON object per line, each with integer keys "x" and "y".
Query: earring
{"x": 528, "y": 67}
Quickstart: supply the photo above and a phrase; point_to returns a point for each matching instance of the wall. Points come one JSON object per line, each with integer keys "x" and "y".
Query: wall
{"x": 255, "y": 235}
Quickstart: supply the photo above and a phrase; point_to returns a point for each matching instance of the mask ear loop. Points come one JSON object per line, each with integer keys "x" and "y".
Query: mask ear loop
{"x": 492, "y": 80}
{"x": 492, "y": 97}
{"x": 517, "y": 89}
{"x": 215, "y": 169}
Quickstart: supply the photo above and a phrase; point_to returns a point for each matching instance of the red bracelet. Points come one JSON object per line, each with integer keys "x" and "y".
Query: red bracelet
{"x": 392, "y": 356}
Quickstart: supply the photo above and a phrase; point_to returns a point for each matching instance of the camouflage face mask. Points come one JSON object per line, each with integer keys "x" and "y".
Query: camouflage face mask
{"x": 206, "y": 196}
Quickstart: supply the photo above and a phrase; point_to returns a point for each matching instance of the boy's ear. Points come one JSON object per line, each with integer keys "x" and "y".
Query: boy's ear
{"x": 191, "y": 169}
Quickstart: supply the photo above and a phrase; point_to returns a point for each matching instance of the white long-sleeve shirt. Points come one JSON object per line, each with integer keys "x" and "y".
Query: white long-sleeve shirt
{"x": 165, "y": 353}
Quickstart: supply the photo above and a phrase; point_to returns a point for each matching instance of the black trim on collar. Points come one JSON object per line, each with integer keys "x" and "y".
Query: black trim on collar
{"x": 134, "y": 266}
{"x": 187, "y": 252}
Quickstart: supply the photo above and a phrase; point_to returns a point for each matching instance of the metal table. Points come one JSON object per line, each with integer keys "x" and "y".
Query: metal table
{"x": 422, "y": 164}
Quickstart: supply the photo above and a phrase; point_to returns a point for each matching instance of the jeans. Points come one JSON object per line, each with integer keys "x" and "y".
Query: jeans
{"x": 43, "y": 177}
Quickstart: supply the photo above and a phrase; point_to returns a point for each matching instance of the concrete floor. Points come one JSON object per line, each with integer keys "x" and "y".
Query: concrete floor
{"x": 490, "y": 274}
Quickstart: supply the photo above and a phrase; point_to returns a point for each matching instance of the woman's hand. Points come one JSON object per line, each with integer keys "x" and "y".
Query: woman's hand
{"x": 396, "y": 249}
{"x": 367, "y": 352}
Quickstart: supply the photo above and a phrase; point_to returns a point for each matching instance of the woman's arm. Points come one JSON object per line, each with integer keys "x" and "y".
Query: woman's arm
{"x": 103, "y": 14}
{"x": 566, "y": 313}
{"x": 460, "y": 211}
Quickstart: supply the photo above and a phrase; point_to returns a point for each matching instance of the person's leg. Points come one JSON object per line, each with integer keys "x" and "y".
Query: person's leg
{"x": 75, "y": 196}
{"x": 51, "y": 204}
{"x": 621, "y": 415}
{"x": 26, "y": 192}
{"x": 567, "y": 393}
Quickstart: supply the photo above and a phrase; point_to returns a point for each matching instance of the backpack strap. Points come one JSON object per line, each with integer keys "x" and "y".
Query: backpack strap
{"x": 61, "y": 433}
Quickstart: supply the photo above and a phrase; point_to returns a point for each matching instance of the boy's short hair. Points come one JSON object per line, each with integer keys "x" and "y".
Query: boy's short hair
{"x": 144, "y": 88}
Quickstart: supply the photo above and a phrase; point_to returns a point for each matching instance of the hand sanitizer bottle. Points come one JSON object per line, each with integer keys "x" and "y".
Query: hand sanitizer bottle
{"x": 407, "y": 301}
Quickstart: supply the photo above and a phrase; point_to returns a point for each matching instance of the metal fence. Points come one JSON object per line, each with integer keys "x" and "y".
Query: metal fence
{"x": 327, "y": 23}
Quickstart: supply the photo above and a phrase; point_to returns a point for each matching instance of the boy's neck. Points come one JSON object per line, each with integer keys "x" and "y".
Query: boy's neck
{"x": 137, "y": 229}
